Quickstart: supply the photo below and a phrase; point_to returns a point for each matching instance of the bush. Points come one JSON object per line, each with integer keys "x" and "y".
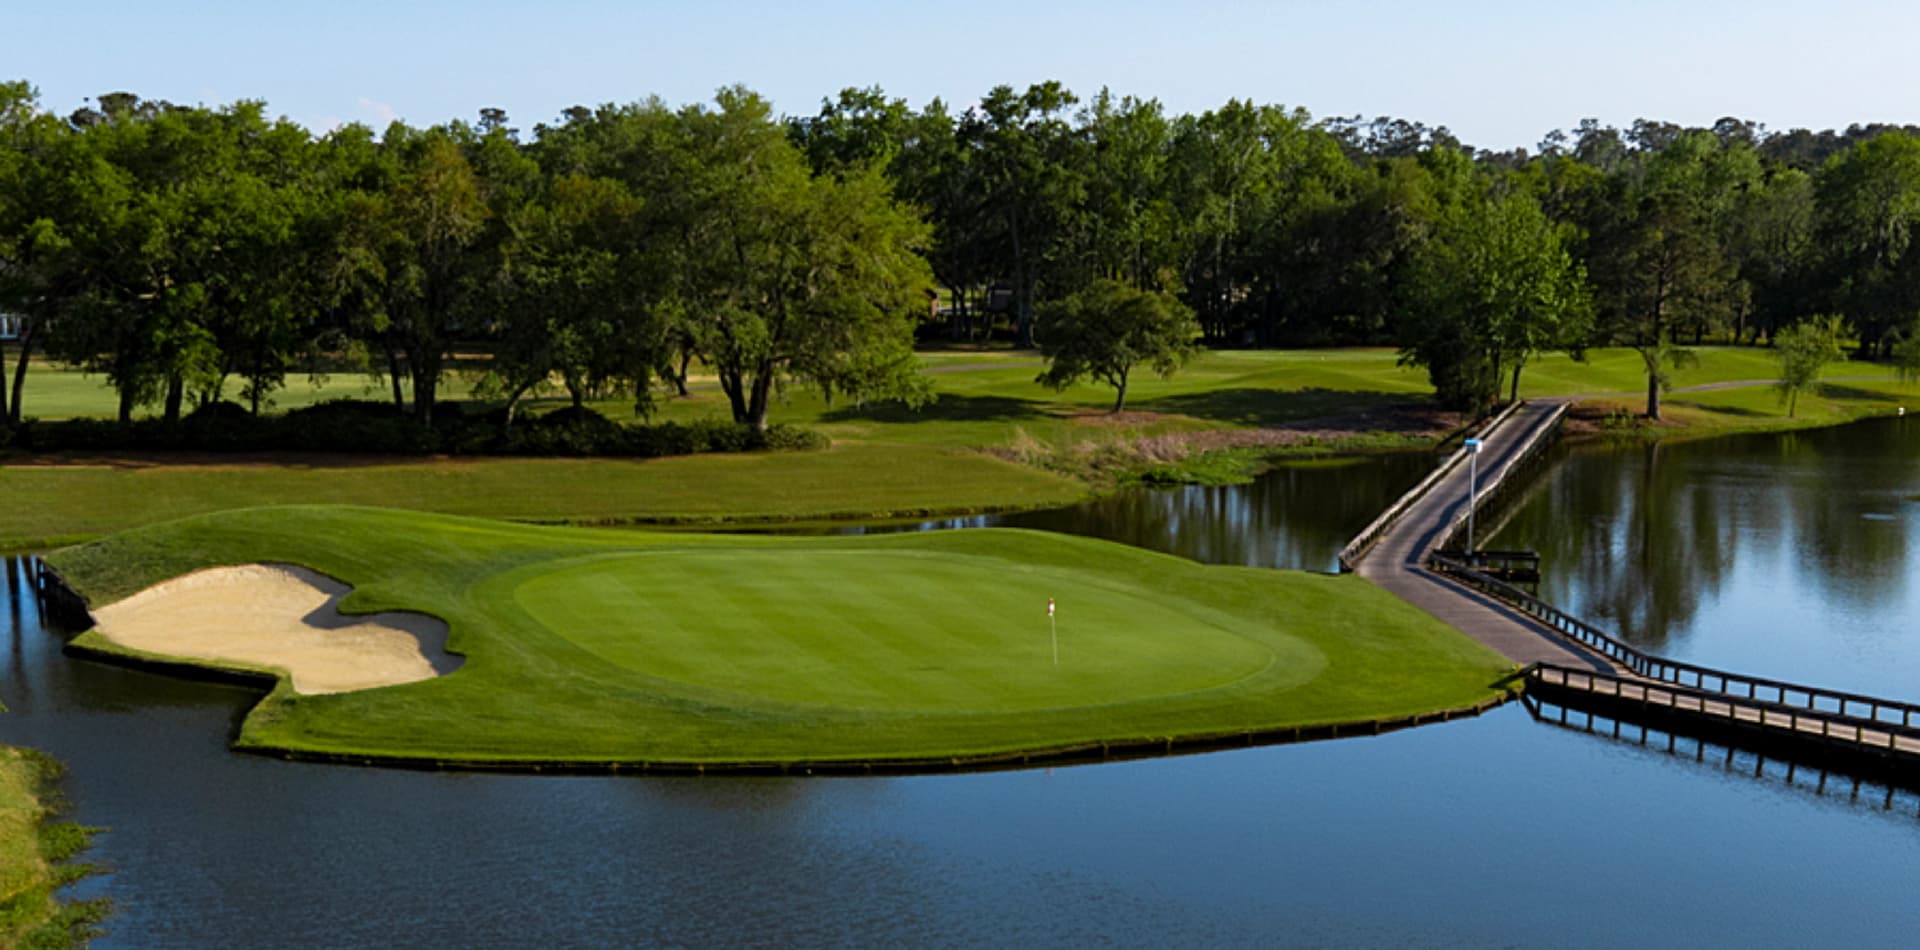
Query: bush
{"x": 225, "y": 425}
{"x": 570, "y": 431}
{"x": 370, "y": 427}
{"x": 786, "y": 438}
{"x": 354, "y": 425}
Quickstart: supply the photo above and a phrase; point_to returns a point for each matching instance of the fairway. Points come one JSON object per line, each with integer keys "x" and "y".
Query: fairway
{"x": 891, "y": 630}
{"x": 609, "y": 648}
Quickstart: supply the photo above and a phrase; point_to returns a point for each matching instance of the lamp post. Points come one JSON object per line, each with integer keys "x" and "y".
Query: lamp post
{"x": 1473, "y": 490}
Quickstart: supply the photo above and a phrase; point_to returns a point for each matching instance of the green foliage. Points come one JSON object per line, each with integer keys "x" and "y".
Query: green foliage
{"x": 375, "y": 428}
{"x": 1906, "y": 356}
{"x": 1805, "y": 349}
{"x": 1109, "y": 328}
{"x": 1491, "y": 286}
{"x": 1869, "y": 204}
{"x": 191, "y": 254}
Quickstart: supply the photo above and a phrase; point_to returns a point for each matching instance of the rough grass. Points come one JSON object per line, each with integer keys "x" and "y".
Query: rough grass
{"x": 1049, "y": 448}
{"x": 632, "y": 647}
{"x": 35, "y": 851}
{"x": 851, "y": 480}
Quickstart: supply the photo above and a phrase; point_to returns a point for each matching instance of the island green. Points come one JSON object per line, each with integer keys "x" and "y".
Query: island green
{"x": 628, "y": 648}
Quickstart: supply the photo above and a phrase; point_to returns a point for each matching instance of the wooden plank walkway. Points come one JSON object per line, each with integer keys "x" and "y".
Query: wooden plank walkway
{"x": 1397, "y": 560}
{"x": 1810, "y": 724}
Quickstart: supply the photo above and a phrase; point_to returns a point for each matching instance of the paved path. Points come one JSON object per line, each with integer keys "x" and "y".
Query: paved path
{"x": 1397, "y": 561}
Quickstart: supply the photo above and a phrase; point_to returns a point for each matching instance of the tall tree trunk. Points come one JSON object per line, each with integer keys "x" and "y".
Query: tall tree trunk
{"x": 1023, "y": 317}
{"x": 1493, "y": 395}
{"x": 1120, "y": 394}
{"x": 126, "y": 404}
{"x": 736, "y": 396}
{"x": 393, "y": 373}
{"x": 20, "y": 371}
{"x": 1513, "y": 395}
{"x": 1653, "y": 393}
{"x": 176, "y": 394}
{"x": 757, "y": 406}
{"x": 680, "y": 374}
{"x": 426, "y": 383}
{"x": 513, "y": 403}
{"x": 256, "y": 384}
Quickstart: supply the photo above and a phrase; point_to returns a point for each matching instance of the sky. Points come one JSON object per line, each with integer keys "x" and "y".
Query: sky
{"x": 1498, "y": 74}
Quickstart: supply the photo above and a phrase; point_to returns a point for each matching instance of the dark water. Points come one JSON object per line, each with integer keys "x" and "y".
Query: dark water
{"x": 1490, "y": 832}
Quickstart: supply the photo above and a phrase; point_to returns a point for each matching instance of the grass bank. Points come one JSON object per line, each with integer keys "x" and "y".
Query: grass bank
{"x": 674, "y": 649}
{"x": 75, "y": 500}
{"x": 36, "y": 851}
{"x": 993, "y": 440}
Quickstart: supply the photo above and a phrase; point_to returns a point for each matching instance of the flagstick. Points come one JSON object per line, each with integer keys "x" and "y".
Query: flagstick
{"x": 1053, "y": 633}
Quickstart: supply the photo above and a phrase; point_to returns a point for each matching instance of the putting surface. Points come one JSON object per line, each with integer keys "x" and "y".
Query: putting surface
{"x": 900, "y": 630}
{"x": 603, "y": 647}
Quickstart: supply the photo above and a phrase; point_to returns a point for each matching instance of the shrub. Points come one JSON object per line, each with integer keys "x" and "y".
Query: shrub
{"x": 355, "y": 425}
{"x": 370, "y": 427}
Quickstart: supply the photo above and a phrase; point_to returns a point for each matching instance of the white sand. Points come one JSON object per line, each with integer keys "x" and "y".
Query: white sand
{"x": 279, "y": 615}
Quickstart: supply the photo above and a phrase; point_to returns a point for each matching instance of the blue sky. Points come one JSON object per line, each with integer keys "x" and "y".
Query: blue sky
{"x": 1499, "y": 74}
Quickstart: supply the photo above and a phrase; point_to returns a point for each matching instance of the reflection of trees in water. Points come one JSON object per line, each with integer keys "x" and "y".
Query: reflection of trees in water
{"x": 1624, "y": 542}
{"x": 1635, "y": 538}
{"x": 1850, "y": 520}
{"x": 1292, "y": 517}
{"x": 19, "y": 594}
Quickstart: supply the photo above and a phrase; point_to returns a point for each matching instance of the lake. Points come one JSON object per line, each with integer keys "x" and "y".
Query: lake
{"x": 1775, "y": 554}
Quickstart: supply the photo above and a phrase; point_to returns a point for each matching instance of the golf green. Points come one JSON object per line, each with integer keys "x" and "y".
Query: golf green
{"x": 630, "y": 649}
{"x": 891, "y": 630}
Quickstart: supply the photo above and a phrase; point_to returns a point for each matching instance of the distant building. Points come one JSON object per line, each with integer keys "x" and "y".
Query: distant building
{"x": 10, "y": 326}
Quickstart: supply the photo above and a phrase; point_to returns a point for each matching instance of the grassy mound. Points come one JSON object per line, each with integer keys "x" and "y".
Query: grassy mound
{"x": 606, "y": 646}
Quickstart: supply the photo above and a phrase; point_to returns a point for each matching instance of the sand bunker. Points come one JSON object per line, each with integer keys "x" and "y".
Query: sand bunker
{"x": 282, "y": 616}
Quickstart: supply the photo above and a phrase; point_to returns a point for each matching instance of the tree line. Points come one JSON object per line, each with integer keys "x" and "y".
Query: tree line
{"x": 174, "y": 248}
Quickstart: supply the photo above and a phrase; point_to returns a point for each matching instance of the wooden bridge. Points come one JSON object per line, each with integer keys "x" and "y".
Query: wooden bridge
{"x": 1411, "y": 551}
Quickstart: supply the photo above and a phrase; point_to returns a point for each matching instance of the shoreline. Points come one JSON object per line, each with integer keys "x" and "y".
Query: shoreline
{"x": 1090, "y": 752}
{"x": 1080, "y": 736}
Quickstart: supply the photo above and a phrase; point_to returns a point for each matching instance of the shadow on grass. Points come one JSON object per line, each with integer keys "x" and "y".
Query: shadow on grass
{"x": 1741, "y": 411}
{"x": 948, "y": 408}
{"x": 1269, "y": 407}
{"x": 1855, "y": 393}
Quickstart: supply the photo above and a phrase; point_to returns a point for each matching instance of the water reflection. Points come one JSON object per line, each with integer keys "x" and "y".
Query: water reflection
{"x": 1783, "y": 555}
{"x": 1296, "y": 516}
{"x": 1482, "y": 832}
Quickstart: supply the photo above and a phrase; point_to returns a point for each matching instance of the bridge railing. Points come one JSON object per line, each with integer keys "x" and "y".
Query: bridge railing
{"x": 1806, "y": 723}
{"x": 1889, "y": 712}
{"x": 1372, "y": 533}
{"x": 1495, "y": 488}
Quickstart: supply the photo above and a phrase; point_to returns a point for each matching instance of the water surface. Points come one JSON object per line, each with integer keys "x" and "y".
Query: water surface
{"x": 1498, "y": 831}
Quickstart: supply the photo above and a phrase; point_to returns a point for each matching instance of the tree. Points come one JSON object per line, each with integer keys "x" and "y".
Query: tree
{"x": 37, "y": 280}
{"x": 1869, "y": 201}
{"x": 1107, "y": 329}
{"x": 1026, "y": 161}
{"x": 424, "y": 238}
{"x": 573, "y": 308}
{"x": 1129, "y": 228}
{"x": 1657, "y": 260}
{"x": 1491, "y": 286}
{"x": 1804, "y": 349}
{"x": 786, "y": 276}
